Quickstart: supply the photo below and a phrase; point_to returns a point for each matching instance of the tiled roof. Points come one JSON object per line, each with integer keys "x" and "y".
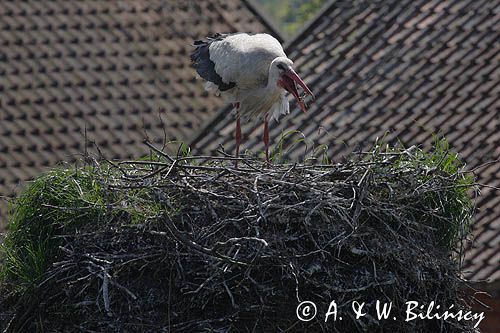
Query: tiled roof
{"x": 409, "y": 67}
{"x": 108, "y": 66}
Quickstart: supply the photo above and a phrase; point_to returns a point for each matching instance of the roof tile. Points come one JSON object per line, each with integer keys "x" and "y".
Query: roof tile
{"x": 107, "y": 68}
{"x": 412, "y": 68}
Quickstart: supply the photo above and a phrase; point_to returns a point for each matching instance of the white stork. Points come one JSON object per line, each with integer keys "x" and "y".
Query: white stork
{"x": 251, "y": 71}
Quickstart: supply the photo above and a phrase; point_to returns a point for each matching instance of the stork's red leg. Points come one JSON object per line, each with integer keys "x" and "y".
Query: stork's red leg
{"x": 238, "y": 135}
{"x": 238, "y": 131}
{"x": 266, "y": 137}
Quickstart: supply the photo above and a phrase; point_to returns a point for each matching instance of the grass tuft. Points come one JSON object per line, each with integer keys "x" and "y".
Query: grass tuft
{"x": 195, "y": 244}
{"x": 52, "y": 205}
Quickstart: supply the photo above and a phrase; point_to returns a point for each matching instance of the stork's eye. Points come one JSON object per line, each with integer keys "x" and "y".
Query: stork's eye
{"x": 280, "y": 66}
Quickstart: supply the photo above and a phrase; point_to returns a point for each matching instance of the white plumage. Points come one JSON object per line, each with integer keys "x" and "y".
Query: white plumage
{"x": 251, "y": 71}
{"x": 245, "y": 59}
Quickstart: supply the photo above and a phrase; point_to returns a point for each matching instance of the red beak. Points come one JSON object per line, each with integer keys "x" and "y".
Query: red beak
{"x": 288, "y": 81}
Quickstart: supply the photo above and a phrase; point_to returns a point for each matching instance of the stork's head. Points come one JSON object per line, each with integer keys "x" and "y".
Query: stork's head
{"x": 286, "y": 78}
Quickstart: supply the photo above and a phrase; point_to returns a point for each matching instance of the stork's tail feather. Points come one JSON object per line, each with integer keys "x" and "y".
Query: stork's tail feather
{"x": 205, "y": 67}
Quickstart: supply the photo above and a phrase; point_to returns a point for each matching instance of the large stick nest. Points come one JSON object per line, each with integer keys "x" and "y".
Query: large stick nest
{"x": 191, "y": 244}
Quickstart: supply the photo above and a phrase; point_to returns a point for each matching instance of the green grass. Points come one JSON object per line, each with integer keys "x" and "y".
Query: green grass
{"x": 453, "y": 203}
{"x": 58, "y": 202}
{"x": 457, "y": 203}
{"x": 294, "y": 139}
{"x": 50, "y": 206}
{"x": 61, "y": 200}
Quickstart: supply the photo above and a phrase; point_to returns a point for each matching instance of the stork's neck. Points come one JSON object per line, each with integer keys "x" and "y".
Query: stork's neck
{"x": 271, "y": 91}
{"x": 273, "y": 75}
{"x": 257, "y": 102}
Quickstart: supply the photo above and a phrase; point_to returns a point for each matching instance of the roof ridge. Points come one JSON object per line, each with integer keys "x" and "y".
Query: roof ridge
{"x": 52, "y": 75}
{"x": 266, "y": 20}
{"x": 221, "y": 113}
{"x": 310, "y": 23}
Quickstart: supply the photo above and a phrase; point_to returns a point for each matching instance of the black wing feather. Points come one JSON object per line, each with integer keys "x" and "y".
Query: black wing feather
{"x": 206, "y": 67}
